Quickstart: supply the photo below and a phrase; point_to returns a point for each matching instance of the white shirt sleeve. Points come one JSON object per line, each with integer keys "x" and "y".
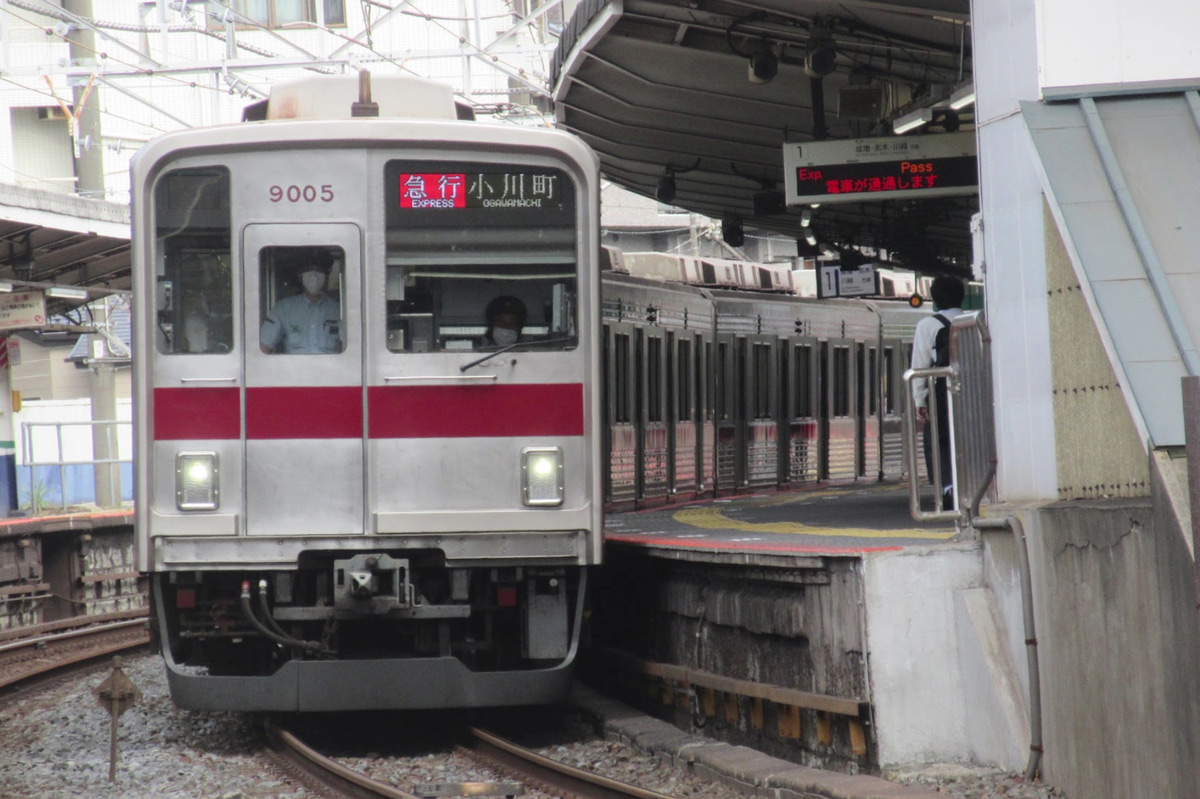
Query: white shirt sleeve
{"x": 922, "y": 356}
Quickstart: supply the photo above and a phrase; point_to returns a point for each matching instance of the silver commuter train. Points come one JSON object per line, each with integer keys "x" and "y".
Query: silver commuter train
{"x": 719, "y": 380}
{"x": 375, "y": 507}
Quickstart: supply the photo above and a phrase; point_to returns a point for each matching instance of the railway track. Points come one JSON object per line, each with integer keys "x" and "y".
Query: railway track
{"x": 46, "y": 650}
{"x": 526, "y": 769}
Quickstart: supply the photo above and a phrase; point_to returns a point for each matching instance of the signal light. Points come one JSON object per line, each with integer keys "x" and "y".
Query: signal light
{"x": 916, "y": 301}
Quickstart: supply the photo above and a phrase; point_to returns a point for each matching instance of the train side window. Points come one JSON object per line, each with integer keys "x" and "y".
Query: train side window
{"x": 889, "y": 363}
{"x": 194, "y": 262}
{"x": 620, "y": 383}
{"x": 841, "y": 381}
{"x": 761, "y": 391}
{"x": 301, "y": 298}
{"x": 724, "y": 376}
{"x": 872, "y": 378}
{"x": 705, "y": 382}
{"x": 802, "y": 360}
{"x": 654, "y": 370}
{"x": 683, "y": 382}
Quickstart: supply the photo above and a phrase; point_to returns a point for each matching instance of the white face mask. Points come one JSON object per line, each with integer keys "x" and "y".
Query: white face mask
{"x": 314, "y": 282}
{"x": 502, "y": 336}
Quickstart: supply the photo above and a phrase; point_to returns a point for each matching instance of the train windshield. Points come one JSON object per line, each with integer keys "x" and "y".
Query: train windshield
{"x": 193, "y": 272}
{"x": 479, "y": 257}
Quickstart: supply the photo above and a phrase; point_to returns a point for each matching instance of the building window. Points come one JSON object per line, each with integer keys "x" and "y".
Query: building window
{"x": 335, "y": 13}
{"x": 280, "y": 13}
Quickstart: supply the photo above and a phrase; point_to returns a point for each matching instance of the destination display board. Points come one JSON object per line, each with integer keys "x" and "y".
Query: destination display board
{"x": 479, "y": 190}
{"x": 858, "y": 170}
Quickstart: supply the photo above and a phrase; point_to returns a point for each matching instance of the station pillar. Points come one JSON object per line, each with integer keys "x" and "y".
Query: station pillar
{"x": 9, "y": 500}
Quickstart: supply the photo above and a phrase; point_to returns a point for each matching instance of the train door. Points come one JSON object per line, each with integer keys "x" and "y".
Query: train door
{"x": 802, "y": 447}
{"x": 653, "y": 479}
{"x": 623, "y": 446}
{"x": 303, "y": 395}
{"x": 891, "y": 411}
{"x": 870, "y": 458}
{"x": 706, "y": 444}
{"x": 840, "y": 385}
{"x": 730, "y": 414}
{"x": 684, "y": 427}
{"x": 762, "y": 427}
{"x": 606, "y": 412}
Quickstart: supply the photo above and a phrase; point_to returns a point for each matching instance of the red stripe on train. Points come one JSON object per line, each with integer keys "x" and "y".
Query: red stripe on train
{"x": 487, "y": 411}
{"x": 197, "y": 413}
{"x": 395, "y": 412}
{"x": 304, "y": 412}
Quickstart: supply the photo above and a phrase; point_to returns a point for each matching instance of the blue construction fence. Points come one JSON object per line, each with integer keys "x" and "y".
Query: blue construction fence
{"x": 51, "y": 464}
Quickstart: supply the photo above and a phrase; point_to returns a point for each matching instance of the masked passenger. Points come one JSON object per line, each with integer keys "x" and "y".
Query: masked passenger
{"x": 505, "y": 319}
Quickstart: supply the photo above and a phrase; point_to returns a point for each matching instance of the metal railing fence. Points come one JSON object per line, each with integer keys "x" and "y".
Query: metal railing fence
{"x": 33, "y": 457}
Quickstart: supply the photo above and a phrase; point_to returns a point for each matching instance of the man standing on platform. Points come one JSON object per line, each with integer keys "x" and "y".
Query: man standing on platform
{"x": 931, "y": 347}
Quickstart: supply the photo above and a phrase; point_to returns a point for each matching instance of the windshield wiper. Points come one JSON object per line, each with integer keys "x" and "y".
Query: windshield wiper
{"x": 514, "y": 346}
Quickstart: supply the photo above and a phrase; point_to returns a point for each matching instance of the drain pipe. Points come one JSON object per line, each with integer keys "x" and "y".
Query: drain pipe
{"x": 1013, "y": 523}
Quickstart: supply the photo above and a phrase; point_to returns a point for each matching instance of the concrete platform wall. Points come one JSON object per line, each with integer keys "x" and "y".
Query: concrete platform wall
{"x": 1120, "y": 649}
{"x": 917, "y": 687}
{"x": 1118, "y": 645}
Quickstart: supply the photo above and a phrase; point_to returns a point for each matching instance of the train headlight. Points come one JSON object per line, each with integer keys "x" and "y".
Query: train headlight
{"x": 197, "y": 486}
{"x": 542, "y": 476}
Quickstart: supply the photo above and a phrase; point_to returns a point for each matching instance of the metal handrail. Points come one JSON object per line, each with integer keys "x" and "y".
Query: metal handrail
{"x": 910, "y": 435}
{"x": 969, "y": 383}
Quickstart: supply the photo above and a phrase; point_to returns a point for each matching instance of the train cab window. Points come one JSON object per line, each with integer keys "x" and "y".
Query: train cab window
{"x": 462, "y": 237}
{"x": 300, "y": 293}
{"x": 193, "y": 262}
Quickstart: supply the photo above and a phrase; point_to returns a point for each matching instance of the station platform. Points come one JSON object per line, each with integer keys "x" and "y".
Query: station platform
{"x": 827, "y": 606}
{"x": 832, "y": 520}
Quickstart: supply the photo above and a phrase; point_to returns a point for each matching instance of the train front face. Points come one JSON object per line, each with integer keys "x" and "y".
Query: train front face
{"x": 367, "y": 477}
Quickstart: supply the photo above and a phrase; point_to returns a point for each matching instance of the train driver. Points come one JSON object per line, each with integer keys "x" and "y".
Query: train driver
{"x": 505, "y": 319}
{"x": 309, "y": 322}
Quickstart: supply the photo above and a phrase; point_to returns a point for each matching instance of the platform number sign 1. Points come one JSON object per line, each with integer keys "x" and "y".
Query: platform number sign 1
{"x": 827, "y": 280}
{"x": 834, "y": 281}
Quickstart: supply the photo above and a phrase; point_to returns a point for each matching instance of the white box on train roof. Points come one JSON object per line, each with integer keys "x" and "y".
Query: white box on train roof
{"x": 656, "y": 266}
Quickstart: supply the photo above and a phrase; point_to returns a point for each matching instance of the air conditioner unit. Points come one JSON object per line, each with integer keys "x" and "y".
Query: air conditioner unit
{"x": 52, "y": 112}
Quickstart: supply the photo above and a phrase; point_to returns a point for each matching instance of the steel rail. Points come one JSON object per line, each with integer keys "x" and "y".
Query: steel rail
{"x": 563, "y": 779}
{"x": 328, "y": 772}
{"x": 12, "y": 677}
{"x": 23, "y": 643}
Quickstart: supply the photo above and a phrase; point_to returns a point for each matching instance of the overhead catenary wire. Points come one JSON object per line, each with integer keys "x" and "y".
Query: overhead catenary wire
{"x": 514, "y": 71}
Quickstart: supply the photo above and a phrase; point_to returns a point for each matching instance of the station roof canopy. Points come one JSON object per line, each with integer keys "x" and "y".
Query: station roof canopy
{"x": 710, "y": 90}
{"x": 52, "y": 239}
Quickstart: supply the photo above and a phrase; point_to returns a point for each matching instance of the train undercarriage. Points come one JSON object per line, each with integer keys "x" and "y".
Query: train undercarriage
{"x": 369, "y": 630}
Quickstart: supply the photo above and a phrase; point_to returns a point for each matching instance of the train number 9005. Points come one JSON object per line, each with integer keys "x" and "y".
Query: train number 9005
{"x": 302, "y": 194}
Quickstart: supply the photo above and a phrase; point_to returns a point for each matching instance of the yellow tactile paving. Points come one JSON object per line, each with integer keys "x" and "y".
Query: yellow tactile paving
{"x": 709, "y": 518}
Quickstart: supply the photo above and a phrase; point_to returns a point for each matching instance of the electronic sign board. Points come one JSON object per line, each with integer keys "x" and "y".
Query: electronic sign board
{"x": 858, "y": 170}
